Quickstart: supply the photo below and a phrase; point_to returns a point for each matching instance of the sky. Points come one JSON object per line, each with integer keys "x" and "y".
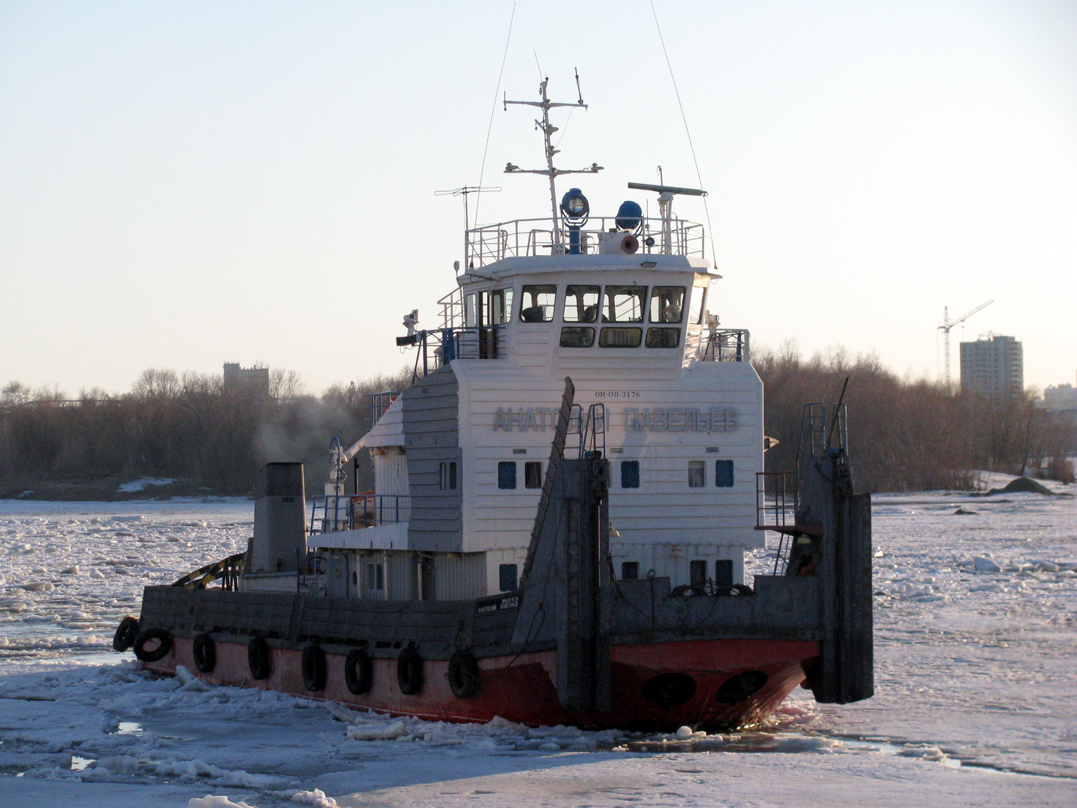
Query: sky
{"x": 184, "y": 184}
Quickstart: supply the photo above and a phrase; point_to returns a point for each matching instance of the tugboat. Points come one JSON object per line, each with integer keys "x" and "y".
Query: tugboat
{"x": 562, "y": 503}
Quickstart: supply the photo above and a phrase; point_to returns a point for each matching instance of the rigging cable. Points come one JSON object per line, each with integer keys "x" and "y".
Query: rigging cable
{"x": 684, "y": 118}
{"x": 493, "y": 109}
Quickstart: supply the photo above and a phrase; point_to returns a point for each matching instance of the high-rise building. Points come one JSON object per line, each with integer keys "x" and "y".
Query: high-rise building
{"x": 993, "y": 366}
{"x": 253, "y": 380}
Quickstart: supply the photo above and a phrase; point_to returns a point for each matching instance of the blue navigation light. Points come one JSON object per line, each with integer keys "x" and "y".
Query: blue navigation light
{"x": 629, "y": 216}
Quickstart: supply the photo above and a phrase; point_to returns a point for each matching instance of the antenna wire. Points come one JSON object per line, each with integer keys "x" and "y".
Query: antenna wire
{"x": 684, "y": 118}
{"x": 493, "y": 109}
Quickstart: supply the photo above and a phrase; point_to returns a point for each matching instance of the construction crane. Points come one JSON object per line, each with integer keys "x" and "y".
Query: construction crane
{"x": 947, "y": 324}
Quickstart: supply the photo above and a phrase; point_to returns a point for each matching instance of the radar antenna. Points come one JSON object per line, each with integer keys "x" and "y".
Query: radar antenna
{"x": 551, "y": 171}
{"x": 665, "y": 205}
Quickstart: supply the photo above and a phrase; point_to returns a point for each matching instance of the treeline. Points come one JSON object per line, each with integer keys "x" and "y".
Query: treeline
{"x": 904, "y": 435}
{"x": 909, "y": 435}
{"x": 191, "y": 427}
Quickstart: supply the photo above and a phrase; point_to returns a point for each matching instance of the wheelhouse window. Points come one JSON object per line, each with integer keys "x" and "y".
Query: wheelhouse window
{"x": 663, "y": 337}
{"x": 499, "y": 306}
{"x": 697, "y": 305}
{"x": 697, "y": 473}
{"x": 615, "y": 337}
{"x": 723, "y": 473}
{"x": 624, "y": 304}
{"x": 667, "y": 304}
{"x": 472, "y": 301}
{"x": 577, "y": 336}
{"x": 629, "y": 570}
{"x": 629, "y": 474}
{"x": 506, "y": 475}
{"x": 581, "y": 304}
{"x": 537, "y": 303}
{"x": 533, "y": 474}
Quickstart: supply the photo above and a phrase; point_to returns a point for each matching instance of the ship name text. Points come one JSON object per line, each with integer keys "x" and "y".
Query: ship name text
{"x": 636, "y": 419}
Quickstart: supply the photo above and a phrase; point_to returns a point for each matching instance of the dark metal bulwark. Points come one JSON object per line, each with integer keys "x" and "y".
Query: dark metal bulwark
{"x": 845, "y": 671}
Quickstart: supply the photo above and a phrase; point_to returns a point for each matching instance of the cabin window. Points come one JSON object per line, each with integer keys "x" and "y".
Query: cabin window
{"x": 573, "y": 336}
{"x": 697, "y": 473}
{"x": 698, "y": 305}
{"x": 533, "y": 474}
{"x": 663, "y": 337}
{"x": 723, "y": 473}
{"x": 506, "y": 475}
{"x": 667, "y": 304}
{"x": 507, "y": 577}
{"x": 629, "y": 474}
{"x": 614, "y": 337}
{"x": 697, "y": 572}
{"x": 499, "y": 306}
{"x": 375, "y": 577}
{"x": 447, "y": 476}
{"x": 629, "y": 570}
{"x": 723, "y": 572}
{"x": 581, "y": 304}
{"x": 537, "y": 303}
{"x": 624, "y": 304}
{"x": 472, "y": 302}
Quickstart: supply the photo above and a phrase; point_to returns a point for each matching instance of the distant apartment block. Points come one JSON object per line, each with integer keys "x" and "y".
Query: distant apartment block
{"x": 256, "y": 380}
{"x": 1061, "y": 398}
{"x": 993, "y": 366}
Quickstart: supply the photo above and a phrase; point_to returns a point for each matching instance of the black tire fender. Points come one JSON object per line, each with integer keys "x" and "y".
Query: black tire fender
{"x": 358, "y": 672}
{"x": 409, "y": 671}
{"x": 314, "y": 669}
{"x": 463, "y": 675}
{"x": 258, "y": 658}
{"x": 205, "y": 653}
{"x": 126, "y": 634}
{"x": 164, "y": 644}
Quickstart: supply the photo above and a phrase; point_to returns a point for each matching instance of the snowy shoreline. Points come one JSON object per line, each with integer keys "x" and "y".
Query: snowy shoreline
{"x": 975, "y": 652}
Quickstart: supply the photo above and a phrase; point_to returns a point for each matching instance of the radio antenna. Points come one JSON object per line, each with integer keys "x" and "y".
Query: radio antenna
{"x": 550, "y": 171}
{"x": 464, "y": 191}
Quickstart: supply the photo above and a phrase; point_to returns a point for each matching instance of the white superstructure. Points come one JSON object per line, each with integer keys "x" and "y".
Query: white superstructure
{"x": 620, "y": 305}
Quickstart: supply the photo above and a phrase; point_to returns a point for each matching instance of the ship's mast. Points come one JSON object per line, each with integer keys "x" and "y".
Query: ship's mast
{"x": 551, "y": 171}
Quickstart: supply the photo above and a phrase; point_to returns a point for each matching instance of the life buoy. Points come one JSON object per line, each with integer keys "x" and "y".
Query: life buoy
{"x": 125, "y": 634}
{"x": 205, "y": 653}
{"x": 463, "y": 675}
{"x": 258, "y": 658}
{"x": 164, "y": 644}
{"x": 409, "y": 671}
{"x": 314, "y": 671}
{"x": 358, "y": 672}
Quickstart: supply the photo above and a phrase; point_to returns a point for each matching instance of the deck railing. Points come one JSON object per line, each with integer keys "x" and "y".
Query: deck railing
{"x": 438, "y": 348}
{"x": 533, "y": 237}
{"x": 333, "y": 513}
{"x": 725, "y": 345}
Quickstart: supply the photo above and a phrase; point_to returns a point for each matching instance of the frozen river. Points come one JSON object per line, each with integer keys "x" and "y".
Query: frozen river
{"x": 976, "y": 672}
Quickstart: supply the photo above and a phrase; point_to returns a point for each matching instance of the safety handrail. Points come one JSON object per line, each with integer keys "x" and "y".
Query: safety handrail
{"x": 335, "y": 512}
{"x": 521, "y": 238}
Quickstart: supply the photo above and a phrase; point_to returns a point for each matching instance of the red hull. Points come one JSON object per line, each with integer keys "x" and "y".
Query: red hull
{"x": 522, "y": 688}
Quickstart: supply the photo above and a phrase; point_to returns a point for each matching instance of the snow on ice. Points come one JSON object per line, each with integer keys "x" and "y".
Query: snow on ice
{"x": 976, "y": 665}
